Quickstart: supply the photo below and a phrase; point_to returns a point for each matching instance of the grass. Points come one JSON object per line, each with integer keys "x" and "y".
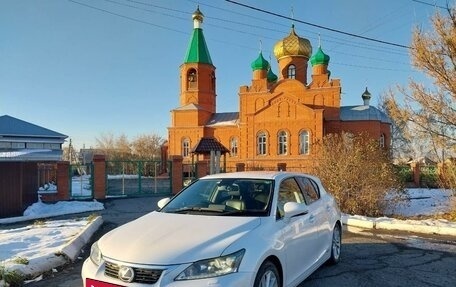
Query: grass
{"x": 12, "y": 278}
{"x": 92, "y": 217}
{"x": 21, "y": 260}
{"x": 39, "y": 222}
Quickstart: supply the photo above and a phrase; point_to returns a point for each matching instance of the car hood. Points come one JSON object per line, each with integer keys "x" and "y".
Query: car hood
{"x": 168, "y": 238}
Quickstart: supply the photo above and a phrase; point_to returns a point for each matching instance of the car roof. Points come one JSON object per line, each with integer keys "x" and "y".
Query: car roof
{"x": 274, "y": 175}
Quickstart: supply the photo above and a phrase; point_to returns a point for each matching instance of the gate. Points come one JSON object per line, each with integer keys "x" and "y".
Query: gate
{"x": 81, "y": 181}
{"x": 137, "y": 178}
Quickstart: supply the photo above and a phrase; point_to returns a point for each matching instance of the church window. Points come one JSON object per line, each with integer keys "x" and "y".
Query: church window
{"x": 234, "y": 146}
{"x": 292, "y": 72}
{"x": 191, "y": 78}
{"x": 304, "y": 143}
{"x": 282, "y": 141}
{"x": 261, "y": 143}
{"x": 382, "y": 140}
{"x": 213, "y": 81}
{"x": 185, "y": 147}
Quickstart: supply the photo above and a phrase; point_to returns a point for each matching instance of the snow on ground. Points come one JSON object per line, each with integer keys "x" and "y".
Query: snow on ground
{"x": 425, "y": 201}
{"x": 38, "y": 243}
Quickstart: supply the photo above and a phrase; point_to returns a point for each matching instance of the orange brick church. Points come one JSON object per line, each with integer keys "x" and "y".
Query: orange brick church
{"x": 281, "y": 117}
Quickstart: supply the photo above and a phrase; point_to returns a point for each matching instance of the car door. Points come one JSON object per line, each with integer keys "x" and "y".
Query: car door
{"x": 300, "y": 233}
{"x": 317, "y": 213}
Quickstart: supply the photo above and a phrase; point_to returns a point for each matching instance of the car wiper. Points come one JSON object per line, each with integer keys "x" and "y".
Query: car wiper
{"x": 197, "y": 209}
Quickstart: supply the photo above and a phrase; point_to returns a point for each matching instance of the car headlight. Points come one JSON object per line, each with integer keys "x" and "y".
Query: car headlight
{"x": 213, "y": 267}
{"x": 95, "y": 254}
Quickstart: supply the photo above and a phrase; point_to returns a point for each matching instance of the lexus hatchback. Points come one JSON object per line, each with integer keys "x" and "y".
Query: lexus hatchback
{"x": 261, "y": 229}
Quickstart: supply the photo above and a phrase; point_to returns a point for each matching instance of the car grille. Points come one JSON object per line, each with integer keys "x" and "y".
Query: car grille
{"x": 142, "y": 275}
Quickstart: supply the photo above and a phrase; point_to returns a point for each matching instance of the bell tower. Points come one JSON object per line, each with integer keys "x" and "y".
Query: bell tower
{"x": 197, "y": 73}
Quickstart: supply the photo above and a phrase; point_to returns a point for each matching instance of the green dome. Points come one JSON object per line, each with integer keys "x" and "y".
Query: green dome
{"x": 272, "y": 78}
{"x": 260, "y": 63}
{"x": 319, "y": 58}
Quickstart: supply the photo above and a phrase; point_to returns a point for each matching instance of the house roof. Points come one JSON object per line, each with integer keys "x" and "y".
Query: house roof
{"x": 363, "y": 113}
{"x": 206, "y": 145}
{"x": 13, "y": 127}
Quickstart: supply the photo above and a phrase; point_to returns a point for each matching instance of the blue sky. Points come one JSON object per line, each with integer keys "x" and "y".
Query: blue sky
{"x": 88, "y": 67}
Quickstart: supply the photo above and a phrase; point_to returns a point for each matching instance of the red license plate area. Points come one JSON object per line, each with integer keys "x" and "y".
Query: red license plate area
{"x": 95, "y": 283}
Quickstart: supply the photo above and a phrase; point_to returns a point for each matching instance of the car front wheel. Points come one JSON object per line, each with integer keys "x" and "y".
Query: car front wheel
{"x": 336, "y": 245}
{"x": 268, "y": 276}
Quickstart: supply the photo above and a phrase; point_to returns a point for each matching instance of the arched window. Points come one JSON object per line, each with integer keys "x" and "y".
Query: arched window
{"x": 234, "y": 146}
{"x": 282, "y": 143}
{"x": 291, "y": 71}
{"x": 213, "y": 81}
{"x": 382, "y": 140}
{"x": 261, "y": 143}
{"x": 185, "y": 147}
{"x": 191, "y": 78}
{"x": 304, "y": 142}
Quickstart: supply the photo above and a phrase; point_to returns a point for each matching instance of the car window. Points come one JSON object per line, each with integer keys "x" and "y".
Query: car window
{"x": 310, "y": 189}
{"x": 227, "y": 196}
{"x": 289, "y": 191}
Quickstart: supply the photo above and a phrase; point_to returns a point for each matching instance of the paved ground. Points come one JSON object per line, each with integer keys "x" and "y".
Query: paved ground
{"x": 367, "y": 259}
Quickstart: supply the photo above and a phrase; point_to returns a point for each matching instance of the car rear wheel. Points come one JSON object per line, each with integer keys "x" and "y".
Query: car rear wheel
{"x": 268, "y": 276}
{"x": 336, "y": 245}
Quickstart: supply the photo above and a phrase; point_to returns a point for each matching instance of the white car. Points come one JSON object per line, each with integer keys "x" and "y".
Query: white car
{"x": 261, "y": 229}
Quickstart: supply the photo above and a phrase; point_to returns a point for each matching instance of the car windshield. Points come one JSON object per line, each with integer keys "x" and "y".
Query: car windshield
{"x": 225, "y": 197}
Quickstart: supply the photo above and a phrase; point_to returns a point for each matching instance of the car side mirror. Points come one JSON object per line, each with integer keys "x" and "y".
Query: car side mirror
{"x": 292, "y": 209}
{"x": 162, "y": 202}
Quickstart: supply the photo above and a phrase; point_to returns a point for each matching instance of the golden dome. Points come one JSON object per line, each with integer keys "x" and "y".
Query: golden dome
{"x": 292, "y": 45}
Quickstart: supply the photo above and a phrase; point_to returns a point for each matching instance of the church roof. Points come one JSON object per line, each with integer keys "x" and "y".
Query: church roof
{"x": 292, "y": 45}
{"x": 319, "y": 58}
{"x": 13, "y": 127}
{"x": 207, "y": 144}
{"x": 197, "y": 50}
{"x": 363, "y": 113}
{"x": 191, "y": 106}
{"x": 224, "y": 119}
{"x": 260, "y": 63}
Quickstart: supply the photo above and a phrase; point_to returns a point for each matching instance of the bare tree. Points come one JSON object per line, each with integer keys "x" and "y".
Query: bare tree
{"x": 147, "y": 146}
{"x": 429, "y": 114}
{"x": 115, "y": 148}
{"x": 358, "y": 173}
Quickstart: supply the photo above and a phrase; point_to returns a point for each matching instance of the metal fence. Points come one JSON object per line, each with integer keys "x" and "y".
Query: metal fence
{"x": 81, "y": 181}
{"x": 136, "y": 178}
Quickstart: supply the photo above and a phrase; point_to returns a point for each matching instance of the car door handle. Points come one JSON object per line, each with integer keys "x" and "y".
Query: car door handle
{"x": 312, "y": 218}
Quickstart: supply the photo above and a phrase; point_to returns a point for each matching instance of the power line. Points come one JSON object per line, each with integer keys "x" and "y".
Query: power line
{"x": 224, "y": 27}
{"x": 319, "y": 26}
{"x": 430, "y": 4}
{"x": 127, "y": 17}
{"x": 221, "y": 27}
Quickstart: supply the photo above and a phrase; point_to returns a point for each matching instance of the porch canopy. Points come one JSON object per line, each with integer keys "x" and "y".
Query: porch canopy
{"x": 211, "y": 146}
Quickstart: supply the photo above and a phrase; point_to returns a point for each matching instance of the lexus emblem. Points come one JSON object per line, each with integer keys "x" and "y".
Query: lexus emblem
{"x": 126, "y": 274}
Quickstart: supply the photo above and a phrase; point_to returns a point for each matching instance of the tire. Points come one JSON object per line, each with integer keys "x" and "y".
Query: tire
{"x": 268, "y": 276}
{"x": 336, "y": 245}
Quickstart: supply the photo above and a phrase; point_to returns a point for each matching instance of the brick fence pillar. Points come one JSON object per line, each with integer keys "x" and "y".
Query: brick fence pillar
{"x": 202, "y": 169}
{"x": 99, "y": 176}
{"x": 63, "y": 180}
{"x": 176, "y": 173}
{"x": 416, "y": 171}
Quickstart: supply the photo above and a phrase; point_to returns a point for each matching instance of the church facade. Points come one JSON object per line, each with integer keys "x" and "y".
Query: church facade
{"x": 281, "y": 118}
